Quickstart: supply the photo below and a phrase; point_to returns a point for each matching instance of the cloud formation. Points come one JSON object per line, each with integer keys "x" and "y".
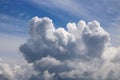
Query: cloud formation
{"x": 16, "y": 72}
{"x": 82, "y": 51}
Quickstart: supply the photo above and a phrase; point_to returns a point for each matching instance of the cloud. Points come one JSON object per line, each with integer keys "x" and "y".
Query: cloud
{"x": 49, "y": 40}
{"x": 81, "y": 51}
{"x": 5, "y": 71}
{"x": 65, "y": 5}
{"x": 81, "y": 9}
{"x": 12, "y": 25}
{"x": 16, "y": 72}
{"x": 95, "y": 38}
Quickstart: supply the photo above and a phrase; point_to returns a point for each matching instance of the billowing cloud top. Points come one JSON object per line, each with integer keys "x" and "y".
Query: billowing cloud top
{"x": 63, "y": 44}
{"x": 81, "y": 51}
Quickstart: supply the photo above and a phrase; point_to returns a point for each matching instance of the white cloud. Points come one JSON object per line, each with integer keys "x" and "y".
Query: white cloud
{"x": 48, "y": 62}
{"x": 16, "y": 72}
{"x": 82, "y": 51}
{"x": 47, "y": 75}
{"x": 95, "y": 38}
{"x": 6, "y": 71}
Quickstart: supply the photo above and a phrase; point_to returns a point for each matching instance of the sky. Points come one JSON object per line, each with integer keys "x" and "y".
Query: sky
{"x": 16, "y": 17}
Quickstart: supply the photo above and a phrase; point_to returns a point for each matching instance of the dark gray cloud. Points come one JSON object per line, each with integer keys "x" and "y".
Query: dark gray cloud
{"x": 2, "y": 77}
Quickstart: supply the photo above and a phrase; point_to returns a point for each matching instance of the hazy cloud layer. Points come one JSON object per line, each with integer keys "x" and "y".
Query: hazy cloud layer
{"x": 82, "y": 51}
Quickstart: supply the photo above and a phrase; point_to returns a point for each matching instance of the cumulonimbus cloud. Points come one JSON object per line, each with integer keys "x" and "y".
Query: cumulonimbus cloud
{"x": 82, "y": 51}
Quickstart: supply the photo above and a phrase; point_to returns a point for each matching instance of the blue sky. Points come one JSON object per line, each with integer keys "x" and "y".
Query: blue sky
{"x": 15, "y": 14}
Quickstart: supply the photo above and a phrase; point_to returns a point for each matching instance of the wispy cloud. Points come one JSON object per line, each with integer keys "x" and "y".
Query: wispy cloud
{"x": 12, "y": 25}
{"x": 69, "y": 6}
{"x": 94, "y": 9}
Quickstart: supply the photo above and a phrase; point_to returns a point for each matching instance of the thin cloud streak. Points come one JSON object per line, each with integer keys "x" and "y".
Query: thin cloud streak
{"x": 12, "y": 25}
